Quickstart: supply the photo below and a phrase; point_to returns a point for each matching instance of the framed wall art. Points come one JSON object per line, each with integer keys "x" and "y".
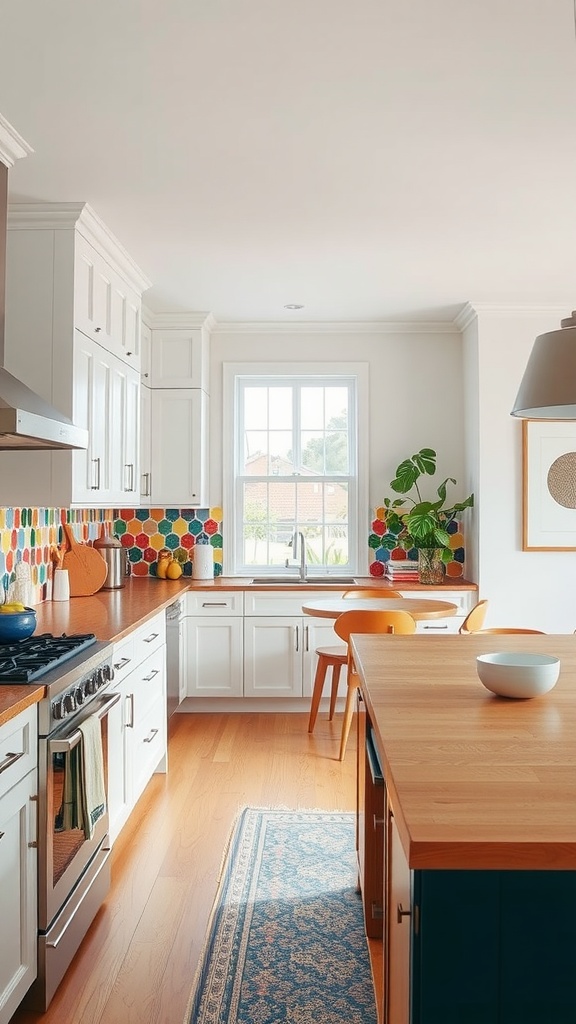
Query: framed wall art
{"x": 548, "y": 485}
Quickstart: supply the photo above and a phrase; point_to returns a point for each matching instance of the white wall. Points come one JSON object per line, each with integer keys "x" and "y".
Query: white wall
{"x": 525, "y": 588}
{"x": 416, "y": 390}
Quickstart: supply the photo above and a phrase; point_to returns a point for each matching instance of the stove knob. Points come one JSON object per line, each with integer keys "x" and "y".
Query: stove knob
{"x": 69, "y": 703}
{"x": 90, "y": 685}
{"x": 58, "y": 709}
{"x": 79, "y": 694}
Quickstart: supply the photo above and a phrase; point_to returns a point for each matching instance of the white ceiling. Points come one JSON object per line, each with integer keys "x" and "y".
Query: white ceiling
{"x": 371, "y": 159}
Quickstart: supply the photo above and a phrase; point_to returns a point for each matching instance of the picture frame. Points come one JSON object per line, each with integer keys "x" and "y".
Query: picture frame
{"x": 548, "y": 485}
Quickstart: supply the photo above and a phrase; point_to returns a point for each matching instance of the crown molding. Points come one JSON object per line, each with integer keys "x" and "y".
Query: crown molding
{"x": 82, "y": 218}
{"x": 12, "y": 145}
{"x": 182, "y": 321}
{"x": 335, "y": 327}
{"x": 474, "y": 310}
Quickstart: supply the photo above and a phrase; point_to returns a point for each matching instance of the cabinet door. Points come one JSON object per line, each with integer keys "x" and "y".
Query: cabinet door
{"x": 18, "y": 910}
{"x": 179, "y": 439}
{"x": 214, "y": 648}
{"x": 131, "y": 439}
{"x": 92, "y": 410}
{"x": 179, "y": 359}
{"x": 273, "y": 657}
{"x": 106, "y": 307}
{"x": 145, "y": 445}
{"x": 398, "y": 928}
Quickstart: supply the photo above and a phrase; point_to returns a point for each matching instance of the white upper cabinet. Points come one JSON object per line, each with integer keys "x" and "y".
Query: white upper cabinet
{"x": 73, "y": 307}
{"x": 179, "y": 359}
{"x": 106, "y": 307}
{"x": 174, "y": 410}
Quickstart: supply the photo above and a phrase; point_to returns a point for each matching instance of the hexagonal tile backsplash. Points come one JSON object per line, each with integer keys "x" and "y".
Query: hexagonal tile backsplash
{"x": 27, "y": 533}
{"x": 145, "y": 531}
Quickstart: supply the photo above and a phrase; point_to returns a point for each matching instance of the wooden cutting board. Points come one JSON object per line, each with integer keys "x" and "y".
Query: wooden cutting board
{"x": 87, "y": 569}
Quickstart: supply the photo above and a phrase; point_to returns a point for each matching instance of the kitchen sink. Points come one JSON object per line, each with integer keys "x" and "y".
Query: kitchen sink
{"x": 291, "y": 581}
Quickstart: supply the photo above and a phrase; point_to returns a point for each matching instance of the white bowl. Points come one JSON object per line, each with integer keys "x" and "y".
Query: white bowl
{"x": 511, "y": 674}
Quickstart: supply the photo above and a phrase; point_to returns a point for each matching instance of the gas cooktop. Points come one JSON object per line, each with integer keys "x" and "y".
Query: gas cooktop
{"x": 28, "y": 660}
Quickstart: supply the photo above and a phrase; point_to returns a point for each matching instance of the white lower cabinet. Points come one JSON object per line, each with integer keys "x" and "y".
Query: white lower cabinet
{"x": 279, "y": 654}
{"x": 214, "y": 643}
{"x": 138, "y": 723}
{"x": 280, "y": 643}
{"x": 18, "y": 859}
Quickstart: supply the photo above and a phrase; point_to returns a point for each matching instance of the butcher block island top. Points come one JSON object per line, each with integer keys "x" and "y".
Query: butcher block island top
{"x": 476, "y": 781}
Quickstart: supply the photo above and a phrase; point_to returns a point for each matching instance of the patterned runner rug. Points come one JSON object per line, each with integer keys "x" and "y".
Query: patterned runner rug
{"x": 286, "y": 940}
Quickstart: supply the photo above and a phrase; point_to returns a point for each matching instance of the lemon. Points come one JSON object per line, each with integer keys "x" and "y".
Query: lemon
{"x": 10, "y": 609}
{"x": 174, "y": 571}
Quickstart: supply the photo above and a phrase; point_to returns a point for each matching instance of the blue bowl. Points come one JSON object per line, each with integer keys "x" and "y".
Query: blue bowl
{"x": 17, "y": 625}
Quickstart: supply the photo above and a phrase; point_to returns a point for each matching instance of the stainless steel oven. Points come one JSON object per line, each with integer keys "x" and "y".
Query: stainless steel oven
{"x": 73, "y": 858}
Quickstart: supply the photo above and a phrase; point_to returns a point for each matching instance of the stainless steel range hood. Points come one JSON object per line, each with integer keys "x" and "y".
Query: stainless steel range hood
{"x": 26, "y": 420}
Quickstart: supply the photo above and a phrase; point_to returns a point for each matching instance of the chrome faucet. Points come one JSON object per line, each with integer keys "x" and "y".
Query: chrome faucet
{"x": 299, "y": 550}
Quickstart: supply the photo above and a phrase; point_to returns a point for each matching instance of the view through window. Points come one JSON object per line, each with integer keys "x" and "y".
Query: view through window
{"x": 295, "y": 471}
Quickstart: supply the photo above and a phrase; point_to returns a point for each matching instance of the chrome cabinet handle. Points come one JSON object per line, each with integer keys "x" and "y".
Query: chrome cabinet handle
{"x": 130, "y": 723}
{"x": 426, "y": 626}
{"x": 146, "y": 488}
{"x": 153, "y": 733}
{"x": 10, "y": 759}
{"x": 149, "y": 639}
{"x": 96, "y": 486}
{"x": 130, "y": 467}
{"x": 120, "y": 664}
{"x": 306, "y": 643}
{"x": 297, "y": 628}
{"x": 154, "y": 672}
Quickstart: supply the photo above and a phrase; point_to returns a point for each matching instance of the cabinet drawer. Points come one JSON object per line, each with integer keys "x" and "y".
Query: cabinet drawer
{"x": 440, "y": 627}
{"x": 283, "y": 602}
{"x": 149, "y": 637}
{"x": 208, "y": 603}
{"x": 124, "y": 660}
{"x": 18, "y": 748}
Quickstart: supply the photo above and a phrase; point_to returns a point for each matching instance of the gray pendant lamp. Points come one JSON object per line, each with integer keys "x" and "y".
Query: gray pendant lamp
{"x": 548, "y": 387}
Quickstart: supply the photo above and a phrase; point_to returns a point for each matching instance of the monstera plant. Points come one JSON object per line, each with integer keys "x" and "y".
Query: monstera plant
{"x": 415, "y": 522}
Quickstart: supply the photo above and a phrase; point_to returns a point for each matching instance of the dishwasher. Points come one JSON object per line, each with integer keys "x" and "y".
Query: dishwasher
{"x": 175, "y": 655}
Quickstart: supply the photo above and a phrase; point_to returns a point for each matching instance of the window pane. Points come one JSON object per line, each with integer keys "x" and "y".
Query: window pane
{"x": 255, "y": 408}
{"x": 312, "y": 408}
{"x": 269, "y": 520}
{"x": 280, "y": 408}
{"x": 294, "y": 473}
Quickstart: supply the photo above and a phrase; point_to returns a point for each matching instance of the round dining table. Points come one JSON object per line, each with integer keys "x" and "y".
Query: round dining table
{"x": 418, "y": 608}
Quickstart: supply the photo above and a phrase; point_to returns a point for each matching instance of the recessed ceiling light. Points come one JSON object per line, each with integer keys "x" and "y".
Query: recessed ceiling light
{"x": 293, "y": 305}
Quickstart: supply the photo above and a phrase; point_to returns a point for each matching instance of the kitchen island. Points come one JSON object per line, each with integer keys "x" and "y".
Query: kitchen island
{"x": 475, "y": 817}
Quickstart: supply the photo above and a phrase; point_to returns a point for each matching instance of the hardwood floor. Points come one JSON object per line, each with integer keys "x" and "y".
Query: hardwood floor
{"x": 137, "y": 962}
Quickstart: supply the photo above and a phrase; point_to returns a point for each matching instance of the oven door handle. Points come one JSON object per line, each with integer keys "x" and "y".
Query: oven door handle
{"x": 63, "y": 746}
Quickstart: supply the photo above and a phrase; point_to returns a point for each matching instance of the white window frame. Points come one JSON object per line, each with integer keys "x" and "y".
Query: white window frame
{"x": 359, "y": 510}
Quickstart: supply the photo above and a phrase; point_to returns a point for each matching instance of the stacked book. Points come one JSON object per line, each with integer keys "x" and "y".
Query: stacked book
{"x": 404, "y": 570}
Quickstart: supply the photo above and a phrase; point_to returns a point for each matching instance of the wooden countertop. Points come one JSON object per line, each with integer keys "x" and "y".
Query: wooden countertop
{"x": 14, "y": 699}
{"x": 476, "y": 781}
{"x": 112, "y": 614}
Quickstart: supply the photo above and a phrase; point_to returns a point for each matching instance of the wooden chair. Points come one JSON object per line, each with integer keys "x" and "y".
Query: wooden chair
{"x": 335, "y": 658}
{"x": 508, "y": 629}
{"x": 379, "y": 592}
{"x": 365, "y": 622}
{"x": 475, "y": 618}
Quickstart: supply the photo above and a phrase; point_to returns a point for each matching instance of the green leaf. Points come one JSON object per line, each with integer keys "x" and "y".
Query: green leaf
{"x": 425, "y": 461}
